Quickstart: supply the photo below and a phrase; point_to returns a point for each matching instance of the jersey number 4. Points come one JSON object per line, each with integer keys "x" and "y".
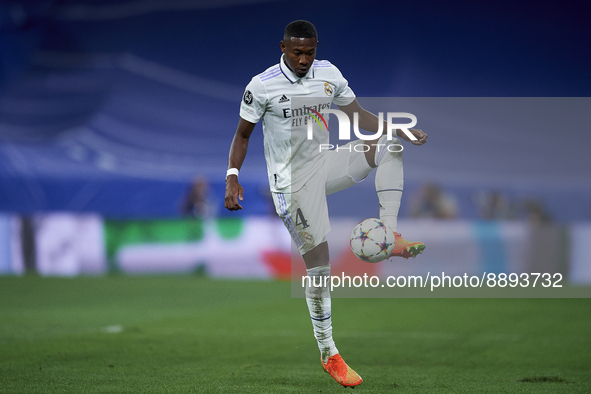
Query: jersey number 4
{"x": 300, "y": 219}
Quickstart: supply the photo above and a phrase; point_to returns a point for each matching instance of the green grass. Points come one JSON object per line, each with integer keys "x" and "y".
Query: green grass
{"x": 189, "y": 334}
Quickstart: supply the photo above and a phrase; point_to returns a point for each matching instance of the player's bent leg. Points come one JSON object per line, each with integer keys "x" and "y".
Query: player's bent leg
{"x": 346, "y": 167}
{"x": 389, "y": 180}
{"x": 389, "y": 186}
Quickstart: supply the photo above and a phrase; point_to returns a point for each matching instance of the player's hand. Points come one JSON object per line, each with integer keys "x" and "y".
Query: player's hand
{"x": 234, "y": 192}
{"x": 421, "y": 137}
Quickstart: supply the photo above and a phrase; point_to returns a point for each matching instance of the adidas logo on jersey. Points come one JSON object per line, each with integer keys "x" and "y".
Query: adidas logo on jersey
{"x": 283, "y": 99}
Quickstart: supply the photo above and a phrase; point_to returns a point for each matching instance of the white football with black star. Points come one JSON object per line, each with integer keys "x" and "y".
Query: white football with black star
{"x": 372, "y": 241}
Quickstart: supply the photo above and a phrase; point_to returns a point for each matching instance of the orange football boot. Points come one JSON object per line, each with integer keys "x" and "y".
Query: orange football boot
{"x": 341, "y": 372}
{"x": 403, "y": 248}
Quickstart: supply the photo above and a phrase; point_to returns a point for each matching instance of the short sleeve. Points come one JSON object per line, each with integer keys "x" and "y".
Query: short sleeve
{"x": 343, "y": 93}
{"x": 254, "y": 101}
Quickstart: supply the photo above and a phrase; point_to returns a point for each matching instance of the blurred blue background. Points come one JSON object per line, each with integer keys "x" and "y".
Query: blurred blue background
{"x": 115, "y": 107}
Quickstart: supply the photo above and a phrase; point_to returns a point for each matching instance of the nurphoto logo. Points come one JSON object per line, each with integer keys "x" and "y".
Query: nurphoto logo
{"x": 345, "y": 129}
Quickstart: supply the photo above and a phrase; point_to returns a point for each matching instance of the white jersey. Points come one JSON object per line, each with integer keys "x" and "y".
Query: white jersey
{"x": 285, "y": 102}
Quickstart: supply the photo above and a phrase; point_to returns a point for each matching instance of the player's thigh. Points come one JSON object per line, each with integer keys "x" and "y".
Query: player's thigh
{"x": 305, "y": 215}
{"x": 346, "y": 166}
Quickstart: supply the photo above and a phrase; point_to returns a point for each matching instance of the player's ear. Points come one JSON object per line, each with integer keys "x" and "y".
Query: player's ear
{"x": 282, "y": 45}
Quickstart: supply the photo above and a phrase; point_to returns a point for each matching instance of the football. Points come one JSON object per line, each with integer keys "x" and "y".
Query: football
{"x": 372, "y": 241}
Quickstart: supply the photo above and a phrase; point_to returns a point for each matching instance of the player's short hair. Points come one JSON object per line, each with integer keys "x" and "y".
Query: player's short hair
{"x": 300, "y": 29}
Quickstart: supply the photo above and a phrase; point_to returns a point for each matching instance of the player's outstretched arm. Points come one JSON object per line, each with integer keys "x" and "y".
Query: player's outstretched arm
{"x": 370, "y": 122}
{"x": 235, "y": 192}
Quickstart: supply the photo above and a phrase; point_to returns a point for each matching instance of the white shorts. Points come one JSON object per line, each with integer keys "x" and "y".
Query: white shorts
{"x": 305, "y": 212}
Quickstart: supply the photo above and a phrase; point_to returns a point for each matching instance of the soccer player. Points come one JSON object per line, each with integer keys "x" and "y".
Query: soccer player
{"x": 301, "y": 175}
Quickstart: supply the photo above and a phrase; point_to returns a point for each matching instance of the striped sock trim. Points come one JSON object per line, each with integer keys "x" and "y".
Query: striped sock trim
{"x": 321, "y": 319}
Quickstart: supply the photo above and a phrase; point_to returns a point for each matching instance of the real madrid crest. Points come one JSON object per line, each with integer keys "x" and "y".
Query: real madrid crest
{"x": 327, "y": 89}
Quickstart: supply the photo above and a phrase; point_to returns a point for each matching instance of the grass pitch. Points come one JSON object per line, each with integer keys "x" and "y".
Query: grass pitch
{"x": 194, "y": 335}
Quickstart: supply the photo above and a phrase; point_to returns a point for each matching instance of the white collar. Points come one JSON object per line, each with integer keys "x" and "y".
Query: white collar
{"x": 290, "y": 75}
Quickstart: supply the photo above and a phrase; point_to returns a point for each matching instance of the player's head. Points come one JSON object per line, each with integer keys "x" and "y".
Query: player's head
{"x": 300, "y": 29}
{"x": 299, "y": 44}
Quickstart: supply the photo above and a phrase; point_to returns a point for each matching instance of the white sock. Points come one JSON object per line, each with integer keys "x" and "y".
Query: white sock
{"x": 389, "y": 181}
{"x": 318, "y": 300}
